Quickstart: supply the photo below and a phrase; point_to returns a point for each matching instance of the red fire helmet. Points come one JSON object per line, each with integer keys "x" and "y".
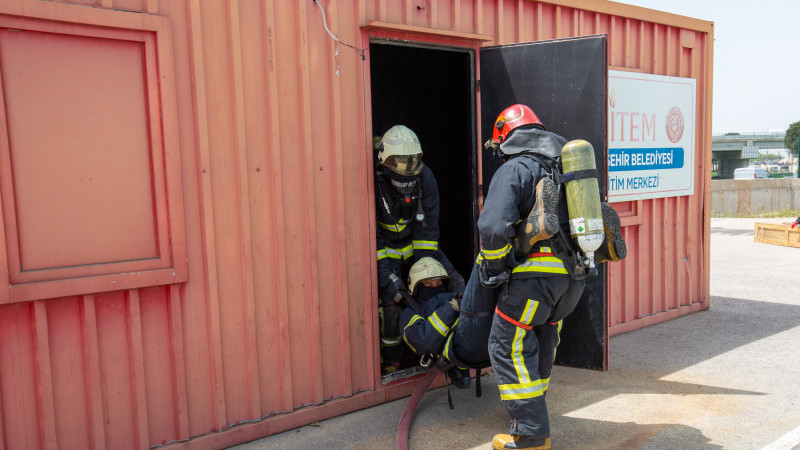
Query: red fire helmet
{"x": 511, "y": 118}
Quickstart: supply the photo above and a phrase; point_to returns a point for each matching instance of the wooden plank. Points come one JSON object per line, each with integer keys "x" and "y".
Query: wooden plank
{"x": 777, "y": 234}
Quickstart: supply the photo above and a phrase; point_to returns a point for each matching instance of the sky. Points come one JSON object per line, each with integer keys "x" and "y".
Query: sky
{"x": 756, "y": 60}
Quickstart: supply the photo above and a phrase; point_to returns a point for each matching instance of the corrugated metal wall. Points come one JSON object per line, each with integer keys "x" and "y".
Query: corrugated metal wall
{"x": 276, "y": 171}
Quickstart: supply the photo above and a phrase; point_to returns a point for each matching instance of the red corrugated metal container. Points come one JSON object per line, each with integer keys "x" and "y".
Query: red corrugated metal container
{"x": 188, "y": 217}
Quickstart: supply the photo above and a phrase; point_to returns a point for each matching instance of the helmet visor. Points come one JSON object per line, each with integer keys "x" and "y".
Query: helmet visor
{"x": 405, "y": 164}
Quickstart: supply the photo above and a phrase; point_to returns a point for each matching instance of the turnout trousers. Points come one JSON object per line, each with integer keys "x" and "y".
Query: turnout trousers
{"x": 522, "y": 347}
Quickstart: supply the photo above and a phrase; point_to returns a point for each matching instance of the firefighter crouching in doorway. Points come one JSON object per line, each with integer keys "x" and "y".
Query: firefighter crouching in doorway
{"x": 515, "y": 301}
{"x": 407, "y": 209}
{"x": 431, "y": 314}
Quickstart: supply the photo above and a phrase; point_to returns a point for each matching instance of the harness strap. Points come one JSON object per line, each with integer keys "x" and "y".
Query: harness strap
{"x": 581, "y": 174}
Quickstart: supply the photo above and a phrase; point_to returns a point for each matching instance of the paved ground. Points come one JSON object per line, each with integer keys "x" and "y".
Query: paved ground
{"x": 724, "y": 378}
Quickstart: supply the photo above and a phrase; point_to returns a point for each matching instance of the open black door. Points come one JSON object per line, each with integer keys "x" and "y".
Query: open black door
{"x": 564, "y": 82}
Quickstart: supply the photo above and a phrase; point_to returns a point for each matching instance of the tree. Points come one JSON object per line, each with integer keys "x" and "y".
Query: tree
{"x": 792, "y": 134}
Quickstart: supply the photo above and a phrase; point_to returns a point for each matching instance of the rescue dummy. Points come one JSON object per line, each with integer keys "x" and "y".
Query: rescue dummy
{"x": 529, "y": 273}
{"x": 407, "y": 209}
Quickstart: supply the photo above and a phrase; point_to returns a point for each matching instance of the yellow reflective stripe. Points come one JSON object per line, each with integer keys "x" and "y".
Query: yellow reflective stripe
{"x": 447, "y": 350}
{"x": 414, "y": 318}
{"x": 399, "y": 253}
{"x": 530, "y": 310}
{"x": 389, "y": 227}
{"x": 479, "y": 259}
{"x": 516, "y": 355}
{"x": 496, "y": 254}
{"x": 547, "y": 264}
{"x": 516, "y": 345}
{"x": 382, "y": 254}
{"x": 530, "y": 389}
{"x": 425, "y": 245}
{"x": 438, "y": 324}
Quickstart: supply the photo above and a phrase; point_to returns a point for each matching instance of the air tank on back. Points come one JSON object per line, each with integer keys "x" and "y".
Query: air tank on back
{"x": 583, "y": 197}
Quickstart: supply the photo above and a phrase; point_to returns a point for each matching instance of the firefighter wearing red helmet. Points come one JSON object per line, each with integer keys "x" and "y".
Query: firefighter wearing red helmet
{"x": 513, "y": 305}
{"x": 512, "y": 118}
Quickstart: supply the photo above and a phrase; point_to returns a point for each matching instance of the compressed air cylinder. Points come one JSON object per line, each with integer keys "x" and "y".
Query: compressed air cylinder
{"x": 583, "y": 196}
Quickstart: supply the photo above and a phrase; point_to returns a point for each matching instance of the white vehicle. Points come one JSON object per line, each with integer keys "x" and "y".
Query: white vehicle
{"x": 750, "y": 173}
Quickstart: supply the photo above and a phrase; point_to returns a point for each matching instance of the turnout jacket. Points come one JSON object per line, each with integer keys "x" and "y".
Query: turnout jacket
{"x": 400, "y": 236}
{"x": 510, "y": 199}
{"x": 425, "y": 330}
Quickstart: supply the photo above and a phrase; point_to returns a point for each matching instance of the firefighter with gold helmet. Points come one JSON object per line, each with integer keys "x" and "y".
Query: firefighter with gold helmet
{"x": 431, "y": 314}
{"x": 407, "y": 209}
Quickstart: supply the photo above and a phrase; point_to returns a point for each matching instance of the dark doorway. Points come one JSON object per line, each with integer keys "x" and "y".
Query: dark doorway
{"x": 431, "y": 91}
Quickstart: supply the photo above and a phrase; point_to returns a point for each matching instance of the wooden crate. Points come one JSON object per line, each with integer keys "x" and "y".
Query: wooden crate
{"x": 777, "y": 233}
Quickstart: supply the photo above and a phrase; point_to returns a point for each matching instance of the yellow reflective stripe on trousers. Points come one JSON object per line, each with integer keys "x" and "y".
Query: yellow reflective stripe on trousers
{"x": 425, "y": 245}
{"x": 516, "y": 345}
{"x": 520, "y": 391}
{"x": 438, "y": 324}
{"x": 389, "y": 227}
{"x": 496, "y": 254}
{"x": 414, "y": 318}
{"x": 546, "y": 264}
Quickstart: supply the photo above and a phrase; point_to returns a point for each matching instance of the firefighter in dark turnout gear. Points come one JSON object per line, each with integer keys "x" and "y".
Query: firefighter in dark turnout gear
{"x": 407, "y": 208}
{"x": 525, "y": 330}
{"x": 513, "y": 305}
{"x": 428, "y": 321}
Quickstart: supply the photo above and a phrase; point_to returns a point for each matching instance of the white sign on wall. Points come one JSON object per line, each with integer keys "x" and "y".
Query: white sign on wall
{"x": 651, "y": 126}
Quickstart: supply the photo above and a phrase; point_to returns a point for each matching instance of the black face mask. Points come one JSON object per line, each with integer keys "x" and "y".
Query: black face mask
{"x": 424, "y": 293}
{"x": 402, "y": 184}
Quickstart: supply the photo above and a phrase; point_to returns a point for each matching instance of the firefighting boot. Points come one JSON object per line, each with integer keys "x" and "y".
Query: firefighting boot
{"x": 541, "y": 223}
{"x": 613, "y": 247}
{"x": 458, "y": 377}
{"x": 509, "y": 441}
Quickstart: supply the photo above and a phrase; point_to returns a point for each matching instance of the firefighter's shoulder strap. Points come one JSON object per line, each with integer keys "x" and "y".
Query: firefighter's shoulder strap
{"x": 562, "y": 246}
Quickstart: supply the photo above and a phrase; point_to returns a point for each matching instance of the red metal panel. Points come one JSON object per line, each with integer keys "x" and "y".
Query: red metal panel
{"x": 18, "y": 405}
{"x": 158, "y": 374}
{"x": 97, "y": 166}
{"x": 276, "y": 168}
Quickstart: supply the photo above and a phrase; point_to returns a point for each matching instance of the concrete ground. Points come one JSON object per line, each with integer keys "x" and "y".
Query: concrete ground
{"x": 724, "y": 378}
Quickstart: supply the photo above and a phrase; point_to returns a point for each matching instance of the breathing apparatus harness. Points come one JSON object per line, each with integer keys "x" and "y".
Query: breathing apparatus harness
{"x": 406, "y": 199}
